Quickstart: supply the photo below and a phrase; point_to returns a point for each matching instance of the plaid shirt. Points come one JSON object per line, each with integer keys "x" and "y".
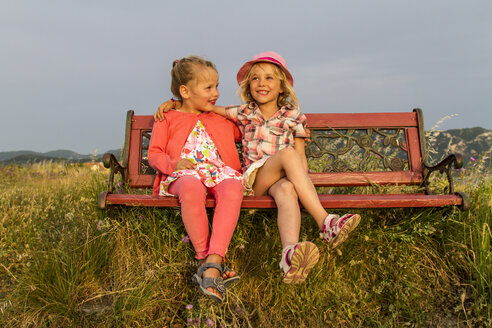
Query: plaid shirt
{"x": 265, "y": 137}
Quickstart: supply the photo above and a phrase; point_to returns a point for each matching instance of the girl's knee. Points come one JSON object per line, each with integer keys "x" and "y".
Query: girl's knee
{"x": 288, "y": 152}
{"x": 189, "y": 190}
{"x": 283, "y": 188}
{"x": 289, "y": 155}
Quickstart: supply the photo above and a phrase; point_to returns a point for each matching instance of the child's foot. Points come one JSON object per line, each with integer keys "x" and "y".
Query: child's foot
{"x": 337, "y": 228}
{"x": 210, "y": 282}
{"x": 229, "y": 276}
{"x": 298, "y": 260}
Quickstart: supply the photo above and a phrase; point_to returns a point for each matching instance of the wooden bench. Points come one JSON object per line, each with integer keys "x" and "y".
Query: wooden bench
{"x": 346, "y": 150}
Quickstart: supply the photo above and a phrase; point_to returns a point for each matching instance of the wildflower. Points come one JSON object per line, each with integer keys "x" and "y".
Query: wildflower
{"x": 241, "y": 246}
{"x": 238, "y": 310}
{"x": 185, "y": 239}
{"x": 140, "y": 217}
{"x": 209, "y": 322}
{"x": 99, "y": 225}
{"x": 472, "y": 159}
{"x": 189, "y": 321}
{"x": 189, "y": 306}
{"x": 197, "y": 321}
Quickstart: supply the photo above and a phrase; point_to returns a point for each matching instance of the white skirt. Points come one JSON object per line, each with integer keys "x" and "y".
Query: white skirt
{"x": 250, "y": 175}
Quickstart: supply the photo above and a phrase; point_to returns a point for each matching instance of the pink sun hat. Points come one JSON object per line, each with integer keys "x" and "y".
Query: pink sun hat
{"x": 265, "y": 57}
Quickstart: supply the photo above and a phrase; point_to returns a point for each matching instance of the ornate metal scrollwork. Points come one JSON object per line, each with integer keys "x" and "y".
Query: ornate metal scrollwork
{"x": 341, "y": 150}
{"x": 359, "y": 149}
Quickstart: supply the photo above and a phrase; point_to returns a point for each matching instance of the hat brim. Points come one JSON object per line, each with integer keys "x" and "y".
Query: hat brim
{"x": 241, "y": 74}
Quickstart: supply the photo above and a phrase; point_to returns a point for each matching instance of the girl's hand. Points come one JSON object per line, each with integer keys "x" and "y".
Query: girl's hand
{"x": 166, "y": 107}
{"x": 307, "y": 140}
{"x": 185, "y": 164}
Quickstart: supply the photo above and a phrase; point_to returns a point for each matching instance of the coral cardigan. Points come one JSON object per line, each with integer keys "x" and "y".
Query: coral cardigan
{"x": 169, "y": 137}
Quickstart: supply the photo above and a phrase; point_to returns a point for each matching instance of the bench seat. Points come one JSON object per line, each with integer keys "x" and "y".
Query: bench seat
{"x": 328, "y": 201}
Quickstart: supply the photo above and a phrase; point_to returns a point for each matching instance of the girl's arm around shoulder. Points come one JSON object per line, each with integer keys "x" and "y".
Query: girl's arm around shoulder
{"x": 176, "y": 104}
{"x": 220, "y": 110}
{"x": 300, "y": 147}
{"x": 165, "y": 107}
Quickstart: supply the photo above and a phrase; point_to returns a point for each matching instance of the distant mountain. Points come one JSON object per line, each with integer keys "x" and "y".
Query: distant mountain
{"x": 30, "y": 158}
{"x": 67, "y": 154}
{"x": 471, "y": 142}
{"x": 11, "y": 154}
{"x": 26, "y": 156}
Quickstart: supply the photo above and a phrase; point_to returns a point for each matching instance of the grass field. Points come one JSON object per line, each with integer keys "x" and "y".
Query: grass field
{"x": 64, "y": 263}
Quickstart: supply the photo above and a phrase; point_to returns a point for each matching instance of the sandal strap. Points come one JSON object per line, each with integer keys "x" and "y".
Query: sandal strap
{"x": 206, "y": 266}
{"x": 216, "y": 283}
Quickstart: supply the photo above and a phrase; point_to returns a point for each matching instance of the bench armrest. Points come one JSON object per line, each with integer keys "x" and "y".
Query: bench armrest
{"x": 444, "y": 166}
{"x": 110, "y": 162}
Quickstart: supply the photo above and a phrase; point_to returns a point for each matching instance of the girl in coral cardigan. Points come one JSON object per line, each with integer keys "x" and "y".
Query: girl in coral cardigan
{"x": 194, "y": 152}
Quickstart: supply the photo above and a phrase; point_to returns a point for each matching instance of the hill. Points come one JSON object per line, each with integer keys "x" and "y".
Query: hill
{"x": 471, "y": 142}
{"x": 26, "y": 156}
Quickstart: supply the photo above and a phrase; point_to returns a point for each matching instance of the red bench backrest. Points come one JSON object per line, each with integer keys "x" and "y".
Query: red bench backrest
{"x": 363, "y": 133}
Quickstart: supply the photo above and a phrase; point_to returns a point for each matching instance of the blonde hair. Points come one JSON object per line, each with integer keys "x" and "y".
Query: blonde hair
{"x": 186, "y": 69}
{"x": 287, "y": 98}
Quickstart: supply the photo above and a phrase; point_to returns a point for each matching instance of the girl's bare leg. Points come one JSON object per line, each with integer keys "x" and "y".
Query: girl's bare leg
{"x": 287, "y": 163}
{"x": 289, "y": 214}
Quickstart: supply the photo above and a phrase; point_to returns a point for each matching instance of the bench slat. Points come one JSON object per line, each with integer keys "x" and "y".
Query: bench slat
{"x": 361, "y": 120}
{"x": 329, "y": 120}
{"x": 328, "y": 201}
{"x": 348, "y": 179}
{"x": 336, "y": 179}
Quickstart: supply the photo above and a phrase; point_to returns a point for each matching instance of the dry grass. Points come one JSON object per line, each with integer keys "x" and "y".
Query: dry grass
{"x": 64, "y": 263}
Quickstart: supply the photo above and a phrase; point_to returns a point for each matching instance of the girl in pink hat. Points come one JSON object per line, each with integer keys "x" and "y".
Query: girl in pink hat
{"x": 274, "y": 160}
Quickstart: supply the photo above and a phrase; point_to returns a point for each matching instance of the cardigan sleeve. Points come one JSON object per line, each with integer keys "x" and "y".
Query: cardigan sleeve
{"x": 159, "y": 157}
{"x": 237, "y": 133}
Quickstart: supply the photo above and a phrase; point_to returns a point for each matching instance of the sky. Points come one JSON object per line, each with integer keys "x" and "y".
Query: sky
{"x": 70, "y": 70}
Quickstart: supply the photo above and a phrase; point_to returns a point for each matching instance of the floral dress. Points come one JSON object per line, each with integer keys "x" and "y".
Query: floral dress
{"x": 209, "y": 168}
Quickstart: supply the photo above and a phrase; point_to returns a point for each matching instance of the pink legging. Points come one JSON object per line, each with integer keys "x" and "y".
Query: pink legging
{"x": 228, "y": 197}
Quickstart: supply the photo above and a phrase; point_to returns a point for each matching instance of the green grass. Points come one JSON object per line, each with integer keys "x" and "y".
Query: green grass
{"x": 64, "y": 263}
